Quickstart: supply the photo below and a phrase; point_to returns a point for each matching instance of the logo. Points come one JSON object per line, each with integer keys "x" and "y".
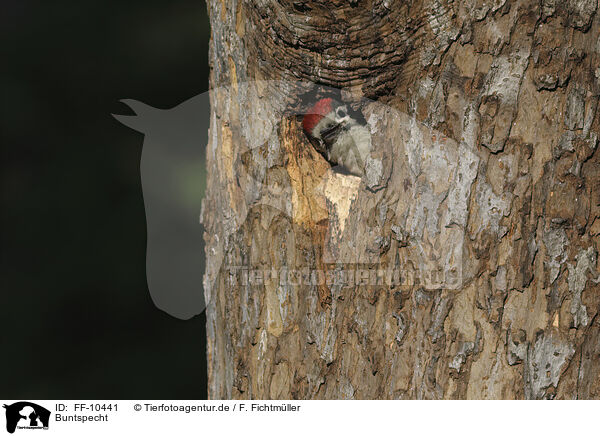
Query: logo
{"x": 398, "y": 241}
{"x": 26, "y": 415}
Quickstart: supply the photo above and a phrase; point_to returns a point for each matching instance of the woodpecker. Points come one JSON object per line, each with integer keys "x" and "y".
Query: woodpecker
{"x": 339, "y": 137}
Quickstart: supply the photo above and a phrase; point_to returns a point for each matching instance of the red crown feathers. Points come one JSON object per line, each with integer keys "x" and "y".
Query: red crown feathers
{"x": 316, "y": 113}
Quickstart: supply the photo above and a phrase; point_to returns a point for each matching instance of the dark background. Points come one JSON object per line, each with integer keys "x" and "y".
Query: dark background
{"x": 76, "y": 317}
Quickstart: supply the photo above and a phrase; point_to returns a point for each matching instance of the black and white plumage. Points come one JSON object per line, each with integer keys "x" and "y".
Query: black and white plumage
{"x": 339, "y": 137}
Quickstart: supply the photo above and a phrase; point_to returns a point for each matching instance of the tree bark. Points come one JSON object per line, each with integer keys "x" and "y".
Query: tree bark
{"x": 484, "y": 169}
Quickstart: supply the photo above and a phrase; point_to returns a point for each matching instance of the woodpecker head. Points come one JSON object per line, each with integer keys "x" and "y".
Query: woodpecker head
{"x": 325, "y": 119}
{"x": 340, "y": 138}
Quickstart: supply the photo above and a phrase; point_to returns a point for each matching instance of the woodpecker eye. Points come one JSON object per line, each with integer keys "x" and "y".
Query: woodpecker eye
{"x": 341, "y": 111}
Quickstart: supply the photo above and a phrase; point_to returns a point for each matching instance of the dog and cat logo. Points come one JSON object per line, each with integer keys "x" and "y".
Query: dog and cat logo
{"x": 26, "y": 415}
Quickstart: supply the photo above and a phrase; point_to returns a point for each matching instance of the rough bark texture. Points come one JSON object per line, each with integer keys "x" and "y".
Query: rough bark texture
{"x": 485, "y": 129}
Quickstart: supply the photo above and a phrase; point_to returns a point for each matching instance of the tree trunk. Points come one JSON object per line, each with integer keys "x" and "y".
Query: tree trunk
{"x": 464, "y": 263}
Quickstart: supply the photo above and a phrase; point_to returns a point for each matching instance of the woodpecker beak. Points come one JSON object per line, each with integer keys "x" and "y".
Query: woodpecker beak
{"x": 329, "y": 134}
